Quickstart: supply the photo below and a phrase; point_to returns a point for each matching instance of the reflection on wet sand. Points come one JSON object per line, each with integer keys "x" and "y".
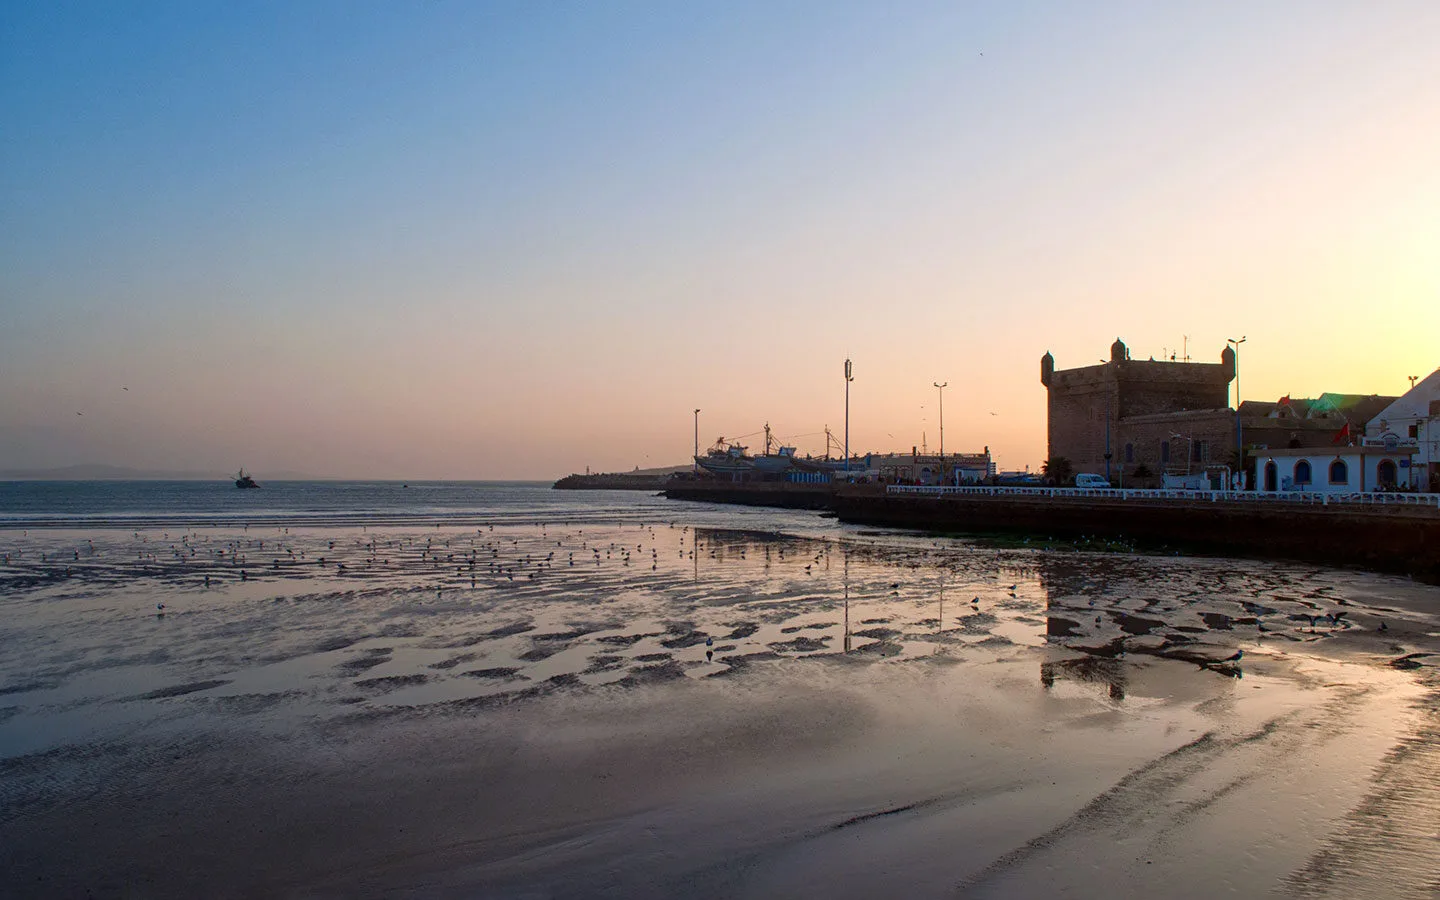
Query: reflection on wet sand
{"x": 540, "y": 635}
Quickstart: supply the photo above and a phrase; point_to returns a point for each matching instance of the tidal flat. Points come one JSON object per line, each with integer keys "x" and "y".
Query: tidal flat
{"x": 657, "y": 709}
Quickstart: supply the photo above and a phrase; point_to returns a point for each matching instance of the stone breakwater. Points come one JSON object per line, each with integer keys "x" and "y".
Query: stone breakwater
{"x": 613, "y": 481}
{"x": 1402, "y": 540}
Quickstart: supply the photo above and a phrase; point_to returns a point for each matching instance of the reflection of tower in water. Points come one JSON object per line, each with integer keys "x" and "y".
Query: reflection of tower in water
{"x": 846, "y": 579}
{"x": 1089, "y": 670}
{"x": 1102, "y": 661}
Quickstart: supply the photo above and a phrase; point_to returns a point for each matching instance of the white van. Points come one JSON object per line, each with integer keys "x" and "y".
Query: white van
{"x": 1086, "y": 480}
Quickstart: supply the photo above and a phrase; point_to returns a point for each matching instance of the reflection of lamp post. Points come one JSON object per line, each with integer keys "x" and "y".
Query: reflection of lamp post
{"x": 848, "y": 378}
{"x": 697, "y": 442}
{"x": 1239, "y": 440}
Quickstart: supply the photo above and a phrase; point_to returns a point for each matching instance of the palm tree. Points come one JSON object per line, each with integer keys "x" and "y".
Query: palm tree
{"x": 1059, "y": 469}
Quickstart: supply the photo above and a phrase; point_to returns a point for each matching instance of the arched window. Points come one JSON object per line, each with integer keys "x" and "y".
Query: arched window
{"x": 1339, "y": 472}
{"x": 1385, "y": 473}
{"x": 1302, "y": 472}
{"x": 1129, "y": 453}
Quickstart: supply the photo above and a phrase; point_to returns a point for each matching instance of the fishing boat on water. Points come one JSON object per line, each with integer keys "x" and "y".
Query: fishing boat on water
{"x": 244, "y": 481}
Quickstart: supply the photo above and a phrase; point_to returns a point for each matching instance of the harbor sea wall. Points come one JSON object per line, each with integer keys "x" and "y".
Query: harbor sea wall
{"x": 1400, "y": 539}
{"x": 1404, "y": 540}
{"x": 783, "y": 494}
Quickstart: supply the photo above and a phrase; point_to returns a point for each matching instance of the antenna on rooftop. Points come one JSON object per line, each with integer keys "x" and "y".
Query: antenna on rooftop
{"x": 1413, "y": 379}
{"x": 1185, "y": 348}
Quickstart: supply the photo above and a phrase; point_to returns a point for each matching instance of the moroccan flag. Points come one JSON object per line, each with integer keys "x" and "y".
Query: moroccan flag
{"x": 1342, "y": 434}
{"x": 1285, "y": 400}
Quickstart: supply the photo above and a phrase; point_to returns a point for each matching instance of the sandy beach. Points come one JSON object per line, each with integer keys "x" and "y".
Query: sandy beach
{"x": 658, "y": 709}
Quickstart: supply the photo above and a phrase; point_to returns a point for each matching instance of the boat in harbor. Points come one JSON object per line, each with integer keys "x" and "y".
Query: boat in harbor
{"x": 777, "y": 463}
{"x": 730, "y": 458}
{"x": 244, "y": 481}
{"x": 726, "y": 459}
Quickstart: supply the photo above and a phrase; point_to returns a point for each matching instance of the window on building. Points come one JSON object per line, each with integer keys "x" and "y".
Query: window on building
{"x": 1202, "y": 451}
{"x": 1302, "y": 472}
{"x": 1129, "y": 453}
{"x": 1164, "y": 452}
{"x": 1415, "y": 430}
{"x": 1339, "y": 472}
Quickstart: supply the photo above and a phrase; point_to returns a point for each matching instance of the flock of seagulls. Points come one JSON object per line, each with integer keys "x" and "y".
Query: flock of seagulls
{"x": 484, "y": 558}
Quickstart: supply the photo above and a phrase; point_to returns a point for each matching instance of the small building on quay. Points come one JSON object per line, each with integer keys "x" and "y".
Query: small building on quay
{"x": 931, "y": 468}
{"x": 1340, "y": 470}
{"x": 1413, "y": 419}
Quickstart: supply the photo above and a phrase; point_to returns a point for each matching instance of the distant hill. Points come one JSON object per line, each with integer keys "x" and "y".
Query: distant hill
{"x": 98, "y": 472}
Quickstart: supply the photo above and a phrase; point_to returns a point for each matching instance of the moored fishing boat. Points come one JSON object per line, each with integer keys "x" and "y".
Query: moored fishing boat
{"x": 726, "y": 459}
{"x": 777, "y": 463}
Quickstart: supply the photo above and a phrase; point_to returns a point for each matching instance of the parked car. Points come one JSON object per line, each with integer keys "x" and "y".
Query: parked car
{"x": 1086, "y": 480}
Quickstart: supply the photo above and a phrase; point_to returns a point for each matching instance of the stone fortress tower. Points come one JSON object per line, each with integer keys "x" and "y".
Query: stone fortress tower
{"x": 1133, "y": 410}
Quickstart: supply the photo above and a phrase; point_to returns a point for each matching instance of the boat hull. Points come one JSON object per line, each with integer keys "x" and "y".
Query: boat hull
{"x": 727, "y": 465}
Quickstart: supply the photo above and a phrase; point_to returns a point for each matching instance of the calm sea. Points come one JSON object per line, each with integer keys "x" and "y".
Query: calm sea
{"x": 39, "y": 503}
{"x": 95, "y": 504}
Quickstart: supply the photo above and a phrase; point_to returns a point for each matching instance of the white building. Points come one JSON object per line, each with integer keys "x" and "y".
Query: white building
{"x": 922, "y": 468}
{"x": 1413, "y": 420}
{"x": 1342, "y": 470}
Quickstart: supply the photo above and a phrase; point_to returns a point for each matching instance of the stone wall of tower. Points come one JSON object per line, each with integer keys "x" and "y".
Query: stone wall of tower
{"x": 1148, "y": 388}
{"x": 1079, "y": 402}
{"x": 1206, "y": 438}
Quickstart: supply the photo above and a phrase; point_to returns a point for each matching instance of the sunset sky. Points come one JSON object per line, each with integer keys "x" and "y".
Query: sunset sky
{"x": 512, "y": 240}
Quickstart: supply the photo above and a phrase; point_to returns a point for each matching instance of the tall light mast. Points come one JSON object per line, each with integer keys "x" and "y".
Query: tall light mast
{"x": 849, "y": 377}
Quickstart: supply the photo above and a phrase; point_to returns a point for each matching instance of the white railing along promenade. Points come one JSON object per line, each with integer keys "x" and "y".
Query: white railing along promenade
{"x": 1321, "y": 498}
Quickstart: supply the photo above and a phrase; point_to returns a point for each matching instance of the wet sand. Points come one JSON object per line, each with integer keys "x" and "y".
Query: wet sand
{"x": 625, "y": 710}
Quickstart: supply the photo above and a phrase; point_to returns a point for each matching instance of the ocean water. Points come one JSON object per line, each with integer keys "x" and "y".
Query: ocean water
{"x": 497, "y": 689}
{"x": 91, "y": 502}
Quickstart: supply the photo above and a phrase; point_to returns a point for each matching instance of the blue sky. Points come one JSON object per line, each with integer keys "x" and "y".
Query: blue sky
{"x": 508, "y": 240}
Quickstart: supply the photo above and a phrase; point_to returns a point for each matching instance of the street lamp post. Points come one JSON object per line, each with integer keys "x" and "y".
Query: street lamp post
{"x": 1189, "y": 448}
{"x": 1239, "y": 426}
{"x": 849, "y": 377}
{"x": 941, "y": 388}
{"x": 697, "y": 441}
{"x": 1108, "y": 454}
